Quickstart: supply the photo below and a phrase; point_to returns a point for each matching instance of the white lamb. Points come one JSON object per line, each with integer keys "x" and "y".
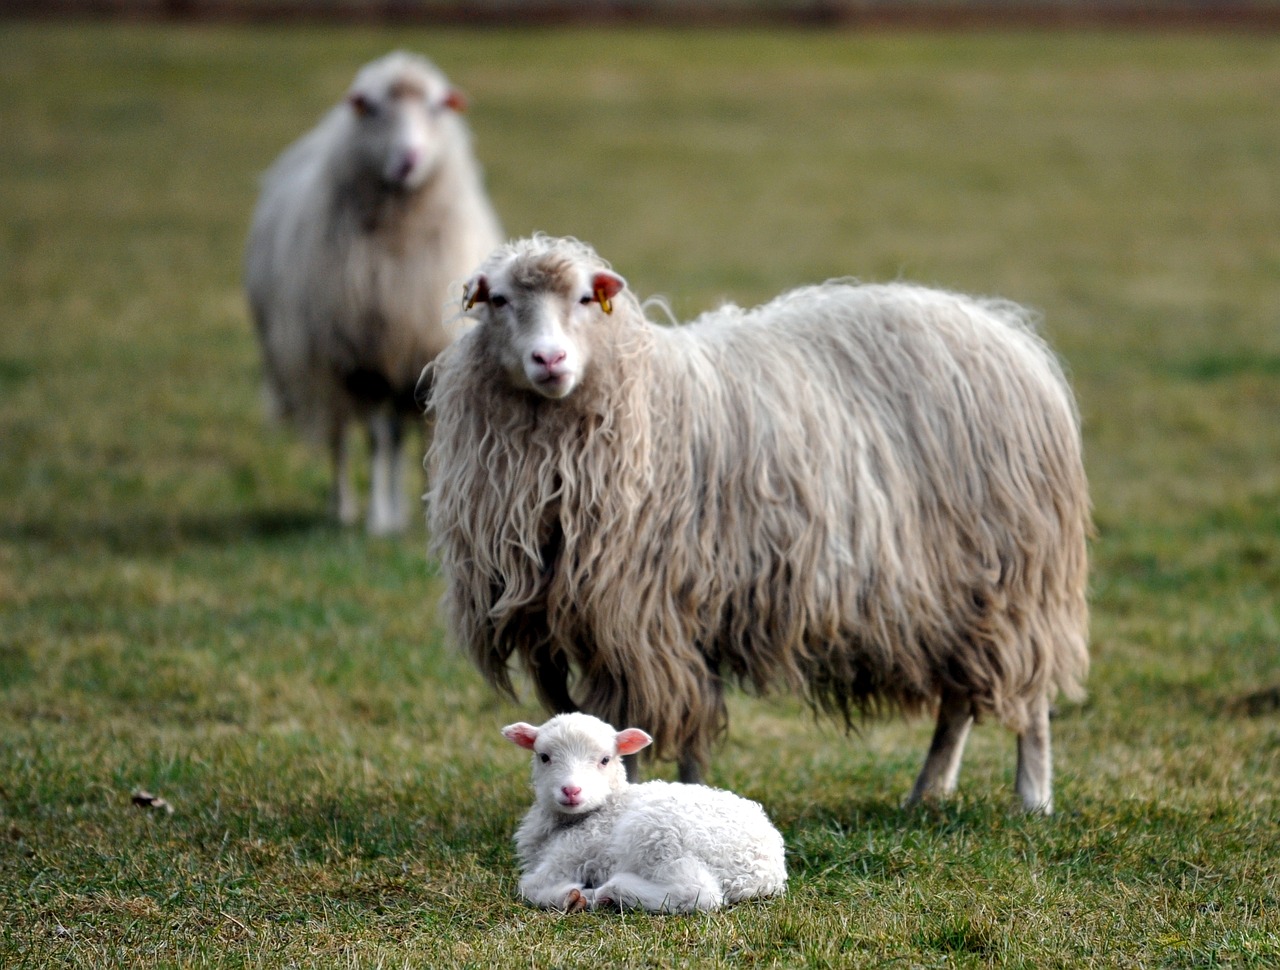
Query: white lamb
{"x": 593, "y": 840}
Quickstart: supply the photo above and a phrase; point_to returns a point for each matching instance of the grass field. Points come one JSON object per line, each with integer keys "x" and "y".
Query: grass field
{"x": 177, "y": 616}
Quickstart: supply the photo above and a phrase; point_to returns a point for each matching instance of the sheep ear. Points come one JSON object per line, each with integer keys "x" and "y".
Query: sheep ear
{"x": 604, "y": 287}
{"x": 455, "y": 100}
{"x": 360, "y": 103}
{"x": 477, "y": 291}
{"x": 522, "y": 734}
{"x": 632, "y": 740}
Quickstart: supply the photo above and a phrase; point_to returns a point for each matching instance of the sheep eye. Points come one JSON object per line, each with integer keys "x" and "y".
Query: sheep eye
{"x": 604, "y": 761}
{"x": 546, "y": 758}
{"x": 586, "y": 300}
{"x": 498, "y": 301}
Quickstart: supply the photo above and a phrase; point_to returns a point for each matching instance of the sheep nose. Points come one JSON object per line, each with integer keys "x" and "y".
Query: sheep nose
{"x": 549, "y": 358}
{"x": 408, "y": 161}
{"x": 571, "y": 791}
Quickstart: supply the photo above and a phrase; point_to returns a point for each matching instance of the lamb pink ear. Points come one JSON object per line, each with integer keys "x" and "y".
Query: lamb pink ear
{"x": 522, "y": 734}
{"x": 604, "y": 287}
{"x": 476, "y": 291}
{"x": 455, "y": 100}
{"x": 632, "y": 740}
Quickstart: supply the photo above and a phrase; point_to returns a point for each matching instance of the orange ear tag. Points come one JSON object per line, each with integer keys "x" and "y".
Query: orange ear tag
{"x": 605, "y": 305}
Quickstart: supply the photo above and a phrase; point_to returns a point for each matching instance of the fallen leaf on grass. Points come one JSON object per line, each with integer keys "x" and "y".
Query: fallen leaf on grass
{"x": 1256, "y": 703}
{"x": 144, "y": 799}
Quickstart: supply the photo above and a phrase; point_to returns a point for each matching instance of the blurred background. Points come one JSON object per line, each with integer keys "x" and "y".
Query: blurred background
{"x": 177, "y": 613}
{"x": 828, "y": 13}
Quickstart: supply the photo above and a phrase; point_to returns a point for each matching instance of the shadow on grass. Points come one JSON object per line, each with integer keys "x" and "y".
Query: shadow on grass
{"x": 158, "y": 533}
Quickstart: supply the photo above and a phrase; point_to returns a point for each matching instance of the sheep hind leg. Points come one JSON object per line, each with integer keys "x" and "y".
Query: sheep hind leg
{"x": 942, "y": 764}
{"x": 342, "y": 494}
{"x": 1035, "y": 762}
{"x": 386, "y": 479}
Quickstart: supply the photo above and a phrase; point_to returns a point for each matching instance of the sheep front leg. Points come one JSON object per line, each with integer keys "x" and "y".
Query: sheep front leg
{"x": 690, "y": 770}
{"x": 942, "y": 764}
{"x": 342, "y": 494}
{"x": 386, "y": 480}
{"x": 1035, "y": 761}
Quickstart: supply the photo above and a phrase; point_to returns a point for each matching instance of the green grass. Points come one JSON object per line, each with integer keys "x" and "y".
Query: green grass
{"x": 176, "y": 615}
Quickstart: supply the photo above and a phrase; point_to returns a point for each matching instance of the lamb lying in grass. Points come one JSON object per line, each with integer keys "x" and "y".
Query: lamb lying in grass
{"x": 592, "y": 840}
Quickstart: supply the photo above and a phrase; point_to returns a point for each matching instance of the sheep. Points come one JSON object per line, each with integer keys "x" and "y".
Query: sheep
{"x": 871, "y": 494}
{"x": 593, "y": 840}
{"x": 361, "y": 226}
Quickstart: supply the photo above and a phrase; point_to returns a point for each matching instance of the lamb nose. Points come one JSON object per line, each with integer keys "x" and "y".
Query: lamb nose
{"x": 571, "y": 791}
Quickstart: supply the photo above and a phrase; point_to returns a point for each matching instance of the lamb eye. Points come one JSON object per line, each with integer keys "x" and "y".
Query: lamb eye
{"x": 604, "y": 760}
{"x": 546, "y": 758}
{"x": 586, "y": 300}
{"x": 498, "y": 301}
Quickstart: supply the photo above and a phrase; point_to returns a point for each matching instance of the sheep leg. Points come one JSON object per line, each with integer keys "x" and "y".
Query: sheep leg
{"x": 683, "y": 887}
{"x": 386, "y": 487}
{"x": 342, "y": 494}
{"x": 688, "y": 767}
{"x": 690, "y": 770}
{"x": 399, "y": 505}
{"x": 1035, "y": 761}
{"x": 942, "y": 764}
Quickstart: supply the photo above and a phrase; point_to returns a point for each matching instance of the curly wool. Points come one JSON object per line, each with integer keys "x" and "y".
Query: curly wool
{"x": 656, "y": 846}
{"x": 874, "y": 494}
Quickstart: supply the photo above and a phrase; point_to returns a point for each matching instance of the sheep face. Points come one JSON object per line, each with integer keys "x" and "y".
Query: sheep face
{"x": 399, "y": 107}
{"x": 538, "y": 316}
{"x": 576, "y": 760}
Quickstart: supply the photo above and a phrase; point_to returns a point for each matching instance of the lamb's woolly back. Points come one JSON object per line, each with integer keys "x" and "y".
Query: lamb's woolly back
{"x": 874, "y": 493}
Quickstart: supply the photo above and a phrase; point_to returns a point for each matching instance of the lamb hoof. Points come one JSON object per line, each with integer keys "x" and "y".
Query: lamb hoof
{"x": 575, "y": 902}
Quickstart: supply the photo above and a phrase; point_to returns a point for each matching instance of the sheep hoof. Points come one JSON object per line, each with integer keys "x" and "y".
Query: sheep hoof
{"x": 575, "y": 902}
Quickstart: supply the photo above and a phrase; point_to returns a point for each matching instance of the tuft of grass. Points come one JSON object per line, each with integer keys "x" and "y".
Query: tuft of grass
{"x": 177, "y": 616}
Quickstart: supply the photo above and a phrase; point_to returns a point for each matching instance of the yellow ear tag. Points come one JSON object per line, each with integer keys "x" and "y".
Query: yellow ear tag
{"x": 605, "y": 305}
{"x": 471, "y": 302}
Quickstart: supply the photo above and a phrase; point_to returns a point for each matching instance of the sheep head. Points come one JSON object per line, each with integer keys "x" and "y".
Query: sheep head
{"x": 577, "y": 761}
{"x": 539, "y": 309}
{"x": 399, "y": 104}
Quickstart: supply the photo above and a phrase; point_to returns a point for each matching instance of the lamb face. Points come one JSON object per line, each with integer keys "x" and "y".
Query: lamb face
{"x": 577, "y": 763}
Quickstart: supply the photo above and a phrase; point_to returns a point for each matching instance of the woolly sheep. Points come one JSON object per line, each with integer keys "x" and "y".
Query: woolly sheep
{"x": 592, "y": 840}
{"x": 361, "y": 226}
{"x": 870, "y": 493}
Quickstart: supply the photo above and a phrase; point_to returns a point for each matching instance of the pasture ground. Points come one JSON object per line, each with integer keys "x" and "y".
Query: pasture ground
{"x": 176, "y": 615}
